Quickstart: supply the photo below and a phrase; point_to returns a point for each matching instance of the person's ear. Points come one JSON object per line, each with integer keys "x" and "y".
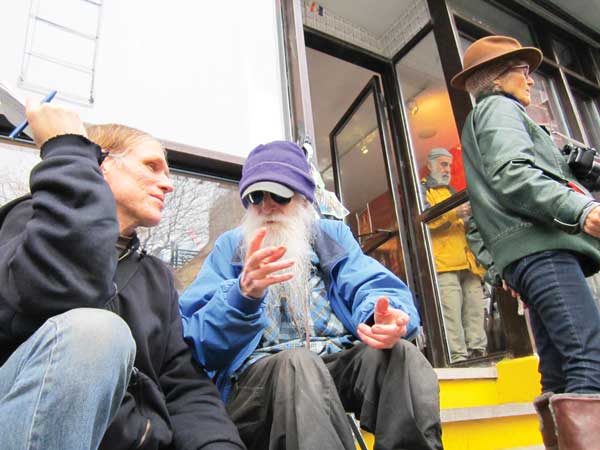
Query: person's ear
{"x": 497, "y": 85}
{"x": 105, "y": 165}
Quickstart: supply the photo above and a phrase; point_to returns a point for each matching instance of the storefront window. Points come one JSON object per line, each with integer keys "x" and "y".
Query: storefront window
{"x": 15, "y": 164}
{"x": 364, "y": 186}
{"x": 195, "y": 214}
{"x": 464, "y": 42}
{"x": 596, "y": 61}
{"x": 494, "y": 18}
{"x": 471, "y": 320}
{"x": 429, "y": 112}
{"x": 566, "y": 55}
{"x": 546, "y": 110}
{"x": 588, "y": 111}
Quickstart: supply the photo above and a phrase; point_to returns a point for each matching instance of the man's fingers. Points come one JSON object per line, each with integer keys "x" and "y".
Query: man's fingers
{"x": 390, "y": 336}
{"x": 381, "y": 307}
{"x": 255, "y": 288}
{"x": 390, "y": 330}
{"x": 262, "y": 256}
{"x": 257, "y": 241}
{"x": 278, "y": 253}
{"x": 373, "y": 343}
{"x": 402, "y": 320}
{"x": 47, "y": 121}
{"x": 31, "y": 104}
{"x": 260, "y": 265}
{"x": 267, "y": 269}
{"x": 381, "y": 340}
{"x": 272, "y": 279}
{"x": 382, "y": 310}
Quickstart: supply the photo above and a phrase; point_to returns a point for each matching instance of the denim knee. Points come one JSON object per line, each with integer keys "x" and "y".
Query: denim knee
{"x": 95, "y": 338}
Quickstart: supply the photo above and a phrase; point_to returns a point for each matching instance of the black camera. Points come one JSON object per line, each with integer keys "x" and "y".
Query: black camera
{"x": 585, "y": 165}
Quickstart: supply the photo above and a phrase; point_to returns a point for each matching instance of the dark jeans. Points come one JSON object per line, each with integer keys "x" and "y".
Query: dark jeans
{"x": 564, "y": 317}
{"x": 296, "y": 400}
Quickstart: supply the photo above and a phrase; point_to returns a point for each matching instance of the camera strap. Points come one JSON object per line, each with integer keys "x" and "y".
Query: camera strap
{"x": 576, "y": 188}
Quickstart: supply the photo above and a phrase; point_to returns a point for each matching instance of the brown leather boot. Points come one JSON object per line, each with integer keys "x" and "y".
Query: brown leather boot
{"x": 577, "y": 420}
{"x": 542, "y": 406}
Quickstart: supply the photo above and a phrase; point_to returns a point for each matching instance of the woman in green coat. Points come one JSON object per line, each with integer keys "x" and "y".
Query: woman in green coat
{"x": 540, "y": 226}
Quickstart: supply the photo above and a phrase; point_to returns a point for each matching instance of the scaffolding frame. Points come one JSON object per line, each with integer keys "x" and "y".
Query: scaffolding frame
{"x": 34, "y": 20}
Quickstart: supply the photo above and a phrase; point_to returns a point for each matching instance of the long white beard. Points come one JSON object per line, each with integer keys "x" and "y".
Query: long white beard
{"x": 441, "y": 178}
{"x": 294, "y": 230}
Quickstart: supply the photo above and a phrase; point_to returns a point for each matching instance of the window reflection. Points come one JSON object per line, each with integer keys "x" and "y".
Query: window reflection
{"x": 15, "y": 164}
{"x": 496, "y": 19}
{"x": 588, "y": 111}
{"x": 196, "y": 213}
{"x": 364, "y": 186}
{"x": 428, "y": 110}
{"x": 464, "y": 42}
{"x": 471, "y": 319}
{"x": 566, "y": 55}
{"x": 545, "y": 108}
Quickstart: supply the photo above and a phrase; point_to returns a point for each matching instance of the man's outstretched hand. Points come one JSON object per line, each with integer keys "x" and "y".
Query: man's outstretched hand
{"x": 260, "y": 267}
{"x": 390, "y": 325}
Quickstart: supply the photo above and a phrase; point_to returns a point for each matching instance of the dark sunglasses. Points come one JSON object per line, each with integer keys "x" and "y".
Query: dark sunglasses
{"x": 257, "y": 197}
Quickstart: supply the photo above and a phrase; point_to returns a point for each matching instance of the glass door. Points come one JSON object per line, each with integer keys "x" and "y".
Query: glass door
{"x": 362, "y": 173}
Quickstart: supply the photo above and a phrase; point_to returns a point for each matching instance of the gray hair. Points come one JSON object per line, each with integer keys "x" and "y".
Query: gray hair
{"x": 482, "y": 80}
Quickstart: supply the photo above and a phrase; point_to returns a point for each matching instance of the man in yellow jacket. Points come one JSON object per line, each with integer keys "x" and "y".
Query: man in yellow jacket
{"x": 459, "y": 276}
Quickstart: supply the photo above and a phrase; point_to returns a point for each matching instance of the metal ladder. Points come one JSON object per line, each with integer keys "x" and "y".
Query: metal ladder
{"x": 32, "y": 54}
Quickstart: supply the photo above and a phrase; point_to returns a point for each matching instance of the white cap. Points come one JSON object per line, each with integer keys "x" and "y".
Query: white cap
{"x": 437, "y": 152}
{"x": 269, "y": 186}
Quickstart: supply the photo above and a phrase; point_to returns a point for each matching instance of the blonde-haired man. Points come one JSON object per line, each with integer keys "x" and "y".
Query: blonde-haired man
{"x": 91, "y": 347}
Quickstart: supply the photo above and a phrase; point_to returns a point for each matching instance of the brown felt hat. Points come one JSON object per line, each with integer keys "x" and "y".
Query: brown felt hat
{"x": 492, "y": 49}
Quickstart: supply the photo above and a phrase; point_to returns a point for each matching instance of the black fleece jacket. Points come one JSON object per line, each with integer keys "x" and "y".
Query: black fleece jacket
{"x": 57, "y": 252}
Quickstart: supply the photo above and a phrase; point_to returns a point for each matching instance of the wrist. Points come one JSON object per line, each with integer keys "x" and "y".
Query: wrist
{"x": 586, "y": 212}
{"x": 249, "y": 294}
{"x": 238, "y": 300}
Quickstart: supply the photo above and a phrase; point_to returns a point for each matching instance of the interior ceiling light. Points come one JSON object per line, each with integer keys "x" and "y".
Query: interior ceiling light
{"x": 427, "y": 133}
{"x": 413, "y": 107}
{"x": 364, "y": 149}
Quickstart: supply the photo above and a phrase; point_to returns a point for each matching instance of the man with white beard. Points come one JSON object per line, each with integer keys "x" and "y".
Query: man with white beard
{"x": 459, "y": 275}
{"x": 298, "y": 326}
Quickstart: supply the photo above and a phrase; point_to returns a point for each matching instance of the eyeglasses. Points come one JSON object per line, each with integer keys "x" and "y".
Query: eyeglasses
{"x": 524, "y": 68}
{"x": 256, "y": 198}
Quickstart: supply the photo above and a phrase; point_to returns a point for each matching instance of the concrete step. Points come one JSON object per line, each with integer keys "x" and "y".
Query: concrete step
{"x": 487, "y": 412}
{"x": 489, "y": 408}
{"x": 467, "y": 373}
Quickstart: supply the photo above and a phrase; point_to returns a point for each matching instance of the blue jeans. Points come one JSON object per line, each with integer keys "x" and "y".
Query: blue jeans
{"x": 564, "y": 317}
{"x": 61, "y": 388}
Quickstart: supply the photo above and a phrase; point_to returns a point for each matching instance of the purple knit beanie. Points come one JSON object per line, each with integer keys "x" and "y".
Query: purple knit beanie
{"x": 281, "y": 162}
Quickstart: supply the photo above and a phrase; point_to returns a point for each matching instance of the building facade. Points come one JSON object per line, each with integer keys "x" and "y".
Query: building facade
{"x": 366, "y": 84}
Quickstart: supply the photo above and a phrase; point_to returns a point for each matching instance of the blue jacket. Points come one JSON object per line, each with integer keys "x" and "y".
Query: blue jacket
{"x": 224, "y": 327}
